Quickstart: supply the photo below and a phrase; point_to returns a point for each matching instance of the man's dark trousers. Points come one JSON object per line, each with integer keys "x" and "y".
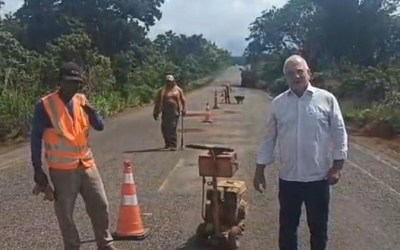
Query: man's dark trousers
{"x": 169, "y": 123}
{"x": 316, "y": 196}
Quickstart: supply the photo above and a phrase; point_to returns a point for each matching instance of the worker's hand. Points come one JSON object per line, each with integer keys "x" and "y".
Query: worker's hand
{"x": 49, "y": 194}
{"x": 40, "y": 178}
{"x": 88, "y": 108}
{"x": 155, "y": 116}
{"x": 259, "y": 179}
{"x": 184, "y": 112}
{"x": 334, "y": 175}
{"x": 334, "y": 172}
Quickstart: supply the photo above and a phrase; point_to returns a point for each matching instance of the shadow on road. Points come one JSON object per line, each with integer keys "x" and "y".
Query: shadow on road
{"x": 145, "y": 150}
{"x": 192, "y": 244}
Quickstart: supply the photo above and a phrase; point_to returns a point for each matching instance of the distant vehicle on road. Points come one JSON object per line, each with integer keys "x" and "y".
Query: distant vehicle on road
{"x": 249, "y": 78}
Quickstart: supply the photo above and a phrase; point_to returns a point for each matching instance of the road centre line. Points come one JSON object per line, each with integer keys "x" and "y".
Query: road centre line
{"x": 11, "y": 163}
{"x": 178, "y": 165}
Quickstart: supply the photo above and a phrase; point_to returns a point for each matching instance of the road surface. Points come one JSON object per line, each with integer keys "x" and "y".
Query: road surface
{"x": 365, "y": 205}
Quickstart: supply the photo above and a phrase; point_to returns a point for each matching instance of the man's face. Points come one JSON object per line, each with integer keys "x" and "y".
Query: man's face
{"x": 169, "y": 83}
{"x": 70, "y": 87}
{"x": 297, "y": 73}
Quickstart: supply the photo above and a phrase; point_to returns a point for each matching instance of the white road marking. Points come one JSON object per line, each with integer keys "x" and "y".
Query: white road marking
{"x": 11, "y": 163}
{"x": 179, "y": 164}
{"x": 374, "y": 155}
{"x": 374, "y": 178}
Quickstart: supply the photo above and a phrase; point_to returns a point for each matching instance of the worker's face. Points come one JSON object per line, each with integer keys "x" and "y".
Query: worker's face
{"x": 169, "y": 83}
{"x": 297, "y": 73}
{"x": 70, "y": 87}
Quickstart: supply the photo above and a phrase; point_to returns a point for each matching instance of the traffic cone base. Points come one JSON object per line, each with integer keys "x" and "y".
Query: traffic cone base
{"x": 137, "y": 236}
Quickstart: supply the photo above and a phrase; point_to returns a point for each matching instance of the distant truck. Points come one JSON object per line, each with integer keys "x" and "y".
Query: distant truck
{"x": 249, "y": 78}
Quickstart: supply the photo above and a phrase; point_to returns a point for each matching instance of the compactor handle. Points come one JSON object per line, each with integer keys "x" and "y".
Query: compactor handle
{"x": 211, "y": 147}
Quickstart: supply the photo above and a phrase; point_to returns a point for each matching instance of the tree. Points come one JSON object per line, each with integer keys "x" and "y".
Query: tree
{"x": 326, "y": 31}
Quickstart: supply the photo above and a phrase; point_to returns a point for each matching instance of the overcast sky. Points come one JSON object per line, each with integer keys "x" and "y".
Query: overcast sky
{"x": 224, "y": 21}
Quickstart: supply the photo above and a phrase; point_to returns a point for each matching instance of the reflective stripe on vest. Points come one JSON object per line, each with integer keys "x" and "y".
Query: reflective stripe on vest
{"x": 55, "y": 114}
{"x": 64, "y": 160}
{"x": 64, "y": 147}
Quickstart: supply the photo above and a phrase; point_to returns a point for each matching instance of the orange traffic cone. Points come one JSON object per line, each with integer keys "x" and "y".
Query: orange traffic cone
{"x": 216, "y": 105}
{"x": 130, "y": 225}
{"x": 207, "y": 116}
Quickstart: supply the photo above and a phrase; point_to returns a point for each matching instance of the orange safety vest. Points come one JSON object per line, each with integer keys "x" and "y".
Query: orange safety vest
{"x": 66, "y": 144}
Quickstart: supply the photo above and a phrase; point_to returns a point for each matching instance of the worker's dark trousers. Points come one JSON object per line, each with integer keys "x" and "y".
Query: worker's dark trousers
{"x": 227, "y": 97}
{"x": 316, "y": 196}
{"x": 169, "y": 123}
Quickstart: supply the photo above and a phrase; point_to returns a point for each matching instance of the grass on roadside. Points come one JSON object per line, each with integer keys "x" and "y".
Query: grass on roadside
{"x": 17, "y": 106}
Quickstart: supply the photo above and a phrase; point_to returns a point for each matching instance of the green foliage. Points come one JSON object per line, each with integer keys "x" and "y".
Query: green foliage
{"x": 122, "y": 67}
{"x": 352, "y": 46}
{"x": 277, "y": 86}
{"x": 330, "y": 31}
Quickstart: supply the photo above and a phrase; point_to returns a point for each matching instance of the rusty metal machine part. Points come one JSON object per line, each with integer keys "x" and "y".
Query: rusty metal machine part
{"x": 223, "y": 208}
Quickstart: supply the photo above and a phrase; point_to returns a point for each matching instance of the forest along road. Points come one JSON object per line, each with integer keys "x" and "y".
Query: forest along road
{"x": 365, "y": 204}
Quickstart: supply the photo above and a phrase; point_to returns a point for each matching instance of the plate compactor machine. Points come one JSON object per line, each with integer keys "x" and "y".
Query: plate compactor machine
{"x": 223, "y": 209}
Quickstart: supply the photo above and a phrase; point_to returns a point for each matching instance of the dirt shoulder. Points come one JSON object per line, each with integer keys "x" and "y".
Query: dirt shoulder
{"x": 385, "y": 148}
{"x": 389, "y": 150}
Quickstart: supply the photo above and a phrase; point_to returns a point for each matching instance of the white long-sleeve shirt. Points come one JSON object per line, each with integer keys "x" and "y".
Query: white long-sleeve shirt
{"x": 304, "y": 128}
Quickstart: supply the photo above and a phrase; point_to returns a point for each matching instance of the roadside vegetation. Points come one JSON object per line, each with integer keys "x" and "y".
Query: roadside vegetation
{"x": 352, "y": 46}
{"x": 123, "y": 66}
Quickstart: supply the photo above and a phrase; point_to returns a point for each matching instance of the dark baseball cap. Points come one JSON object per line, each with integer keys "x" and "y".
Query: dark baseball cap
{"x": 71, "y": 71}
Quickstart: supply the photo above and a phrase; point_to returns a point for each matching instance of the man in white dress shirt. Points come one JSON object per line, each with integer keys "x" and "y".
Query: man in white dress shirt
{"x": 303, "y": 122}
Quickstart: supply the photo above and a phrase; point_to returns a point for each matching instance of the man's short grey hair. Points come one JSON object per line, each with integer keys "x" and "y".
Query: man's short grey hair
{"x": 294, "y": 58}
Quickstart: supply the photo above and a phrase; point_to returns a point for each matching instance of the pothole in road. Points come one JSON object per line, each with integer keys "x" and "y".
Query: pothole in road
{"x": 232, "y": 112}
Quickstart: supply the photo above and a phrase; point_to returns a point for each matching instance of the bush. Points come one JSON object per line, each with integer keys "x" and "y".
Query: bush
{"x": 278, "y": 86}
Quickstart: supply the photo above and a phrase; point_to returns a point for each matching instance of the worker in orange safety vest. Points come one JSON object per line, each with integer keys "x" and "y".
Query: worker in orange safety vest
{"x": 62, "y": 120}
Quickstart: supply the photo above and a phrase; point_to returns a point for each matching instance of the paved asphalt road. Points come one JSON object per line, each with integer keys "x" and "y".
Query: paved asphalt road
{"x": 365, "y": 208}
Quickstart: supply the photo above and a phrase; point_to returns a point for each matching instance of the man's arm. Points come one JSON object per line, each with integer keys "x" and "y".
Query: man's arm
{"x": 265, "y": 154}
{"x": 157, "y": 103}
{"x": 38, "y": 126}
{"x": 266, "y": 149}
{"x": 339, "y": 134}
{"x": 96, "y": 121}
